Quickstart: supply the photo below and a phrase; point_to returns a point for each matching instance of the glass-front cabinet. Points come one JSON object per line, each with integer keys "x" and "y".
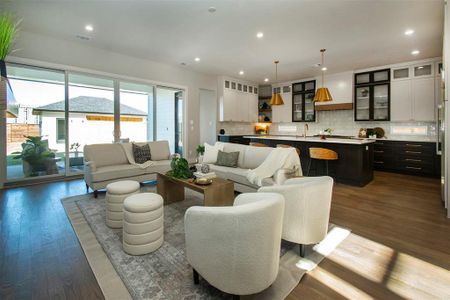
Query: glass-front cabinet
{"x": 302, "y": 101}
{"x": 372, "y": 96}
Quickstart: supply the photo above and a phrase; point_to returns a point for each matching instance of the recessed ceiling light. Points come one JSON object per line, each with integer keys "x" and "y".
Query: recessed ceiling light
{"x": 259, "y": 35}
{"x": 266, "y": 79}
{"x": 212, "y": 9}
{"x": 324, "y": 69}
{"x": 415, "y": 52}
{"x": 89, "y": 28}
{"x": 241, "y": 72}
{"x": 197, "y": 59}
{"x": 420, "y": 68}
{"x": 409, "y": 32}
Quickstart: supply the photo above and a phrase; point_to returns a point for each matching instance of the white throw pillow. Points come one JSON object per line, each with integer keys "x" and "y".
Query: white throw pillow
{"x": 210, "y": 155}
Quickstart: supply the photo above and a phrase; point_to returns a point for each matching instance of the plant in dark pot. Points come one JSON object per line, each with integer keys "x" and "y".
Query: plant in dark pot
{"x": 180, "y": 168}
{"x": 36, "y": 157}
{"x": 76, "y": 160}
{"x": 8, "y": 30}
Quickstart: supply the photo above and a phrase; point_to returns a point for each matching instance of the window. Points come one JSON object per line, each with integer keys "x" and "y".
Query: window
{"x": 60, "y": 130}
{"x": 39, "y": 101}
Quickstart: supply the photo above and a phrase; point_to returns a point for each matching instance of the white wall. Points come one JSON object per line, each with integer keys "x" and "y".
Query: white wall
{"x": 208, "y": 116}
{"x": 47, "y": 50}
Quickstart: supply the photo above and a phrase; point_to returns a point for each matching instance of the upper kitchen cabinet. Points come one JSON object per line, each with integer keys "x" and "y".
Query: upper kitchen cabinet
{"x": 283, "y": 113}
{"x": 413, "y": 92}
{"x": 238, "y": 101}
{"x": 340, "y": 86}
{"x": 372, "y": 95}
{"x": 302, "y": 101}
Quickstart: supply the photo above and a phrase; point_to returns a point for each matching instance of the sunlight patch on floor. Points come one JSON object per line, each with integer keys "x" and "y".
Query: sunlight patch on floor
{"x": 421, "y": 276}
{"x": 334, "y": 237}
{"x": 338, "y": 285}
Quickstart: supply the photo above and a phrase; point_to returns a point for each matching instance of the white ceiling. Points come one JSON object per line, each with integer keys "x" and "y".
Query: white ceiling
{"x": 357, "y": 34}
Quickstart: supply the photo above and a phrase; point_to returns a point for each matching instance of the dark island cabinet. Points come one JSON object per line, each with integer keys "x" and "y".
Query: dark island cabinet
{"x": 353, "y": 167}
{"x": 415, "y": 158}
{"x": 237, "y": 139}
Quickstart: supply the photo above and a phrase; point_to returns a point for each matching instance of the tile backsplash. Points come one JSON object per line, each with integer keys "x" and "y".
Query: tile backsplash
{"x": 342, "y": 123}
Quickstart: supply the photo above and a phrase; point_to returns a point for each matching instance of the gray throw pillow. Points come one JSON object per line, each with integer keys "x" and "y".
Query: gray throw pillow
{"x": 227, "y": 159}
{"x": 141, "y": 153}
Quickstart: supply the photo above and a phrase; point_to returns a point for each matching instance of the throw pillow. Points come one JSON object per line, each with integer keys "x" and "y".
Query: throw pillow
{"x": 210, "y": 155}
{"x": 227, "y": 159}
{"x": 141, "y": 153}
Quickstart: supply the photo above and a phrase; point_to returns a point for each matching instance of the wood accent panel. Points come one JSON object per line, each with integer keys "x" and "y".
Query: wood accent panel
{"x": 339, "y": 106}
{"x": 111, "y": 118}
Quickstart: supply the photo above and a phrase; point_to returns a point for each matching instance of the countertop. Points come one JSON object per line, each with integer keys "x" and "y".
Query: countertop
{"x": 330, "y": 140}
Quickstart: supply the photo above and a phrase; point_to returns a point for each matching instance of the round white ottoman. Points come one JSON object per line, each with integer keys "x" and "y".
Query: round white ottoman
{"x": 143, "y": 223}
{"x": 116, "y": 193}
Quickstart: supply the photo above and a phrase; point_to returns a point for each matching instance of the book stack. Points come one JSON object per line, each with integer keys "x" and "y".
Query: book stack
{"x": 209, "y": 175}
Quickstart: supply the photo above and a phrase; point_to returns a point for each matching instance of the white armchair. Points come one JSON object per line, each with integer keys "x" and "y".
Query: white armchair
{"x": 236, "y": 249}
{"x": 307, "y": 209}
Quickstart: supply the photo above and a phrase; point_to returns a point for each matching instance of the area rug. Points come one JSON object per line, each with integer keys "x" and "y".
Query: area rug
{"x": 165, "y": 273}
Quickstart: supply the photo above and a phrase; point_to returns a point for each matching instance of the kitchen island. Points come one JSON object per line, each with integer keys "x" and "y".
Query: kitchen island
{"x": 355, "y": 156}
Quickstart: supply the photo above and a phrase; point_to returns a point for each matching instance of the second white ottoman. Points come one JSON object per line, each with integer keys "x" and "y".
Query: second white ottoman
{"x": 116, "y": 193}
{"x": 143, "y": 223}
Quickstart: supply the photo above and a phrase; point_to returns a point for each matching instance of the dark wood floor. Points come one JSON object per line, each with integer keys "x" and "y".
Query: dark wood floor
{"x": 399, "y": 247}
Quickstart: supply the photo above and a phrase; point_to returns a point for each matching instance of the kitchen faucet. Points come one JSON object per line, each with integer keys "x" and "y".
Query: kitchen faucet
{"x": 305, "y": 130}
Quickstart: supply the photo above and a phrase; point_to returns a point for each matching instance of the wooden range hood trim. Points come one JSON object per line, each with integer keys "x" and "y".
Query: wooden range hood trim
{"x": 338, "y": 106}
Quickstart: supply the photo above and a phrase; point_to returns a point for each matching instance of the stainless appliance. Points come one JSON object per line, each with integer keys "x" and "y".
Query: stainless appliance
{"x": 440, "y": 127}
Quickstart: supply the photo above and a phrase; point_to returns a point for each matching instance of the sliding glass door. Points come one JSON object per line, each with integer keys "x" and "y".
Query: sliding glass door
{"x": 169, "y": 117}
{"x": 91, "y": 115}
{"x": 55, "y": 113}
{"x": 34, "y": 139}
{"x": 136, "y": 112}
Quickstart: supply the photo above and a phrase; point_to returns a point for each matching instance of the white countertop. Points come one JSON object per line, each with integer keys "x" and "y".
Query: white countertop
{"x": 354, "y": 141}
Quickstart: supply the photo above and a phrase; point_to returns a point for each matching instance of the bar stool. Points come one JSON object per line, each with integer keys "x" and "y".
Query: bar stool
{"x": 322, "y": 154}
{"x": 254, "y": 144}
{"x": 288, "y": 146}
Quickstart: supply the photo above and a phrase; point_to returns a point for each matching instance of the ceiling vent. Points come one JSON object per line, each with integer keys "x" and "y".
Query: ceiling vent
{"x": 82, "y": 37}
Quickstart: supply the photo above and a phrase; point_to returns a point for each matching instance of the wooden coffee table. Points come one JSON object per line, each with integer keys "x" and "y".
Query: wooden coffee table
{"x": 219, "y": 193}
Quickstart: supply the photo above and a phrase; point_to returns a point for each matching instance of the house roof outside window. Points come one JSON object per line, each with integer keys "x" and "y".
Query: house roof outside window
{"x": 91, "y": 105}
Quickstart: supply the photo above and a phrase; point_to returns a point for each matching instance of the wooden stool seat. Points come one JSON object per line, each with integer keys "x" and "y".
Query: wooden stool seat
{"x": 321, "y": 154}
{"x": 288, "y": 146}
{"x": 254, "y": 144}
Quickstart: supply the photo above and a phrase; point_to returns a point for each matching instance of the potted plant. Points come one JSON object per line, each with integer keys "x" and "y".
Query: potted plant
{"x": 180, "y": 168}
{"x": 36, "y": 157}
{"x": 76, "y": 160}
{"x": 200, "y": 152}
{"x": 8, "y": 31}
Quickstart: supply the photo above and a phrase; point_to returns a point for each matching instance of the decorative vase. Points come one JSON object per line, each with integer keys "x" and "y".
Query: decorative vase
{"x": 205, "y": 168}
{"x": 200, "y": 158}
{"x": 3, "y": 86}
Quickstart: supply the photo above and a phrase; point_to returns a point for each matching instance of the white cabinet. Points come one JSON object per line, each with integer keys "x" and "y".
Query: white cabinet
{"x": 340, "y": 86}
{"x": 283, "y": 113}
{"x": 423, "y": 99}
{"x": 237, "y": 105}
{"x": 413, "y": 92}
{"x": 401, "y": 104}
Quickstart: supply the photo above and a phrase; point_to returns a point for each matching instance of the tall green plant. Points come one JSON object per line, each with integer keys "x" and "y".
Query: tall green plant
{"x": 8, "y": 30}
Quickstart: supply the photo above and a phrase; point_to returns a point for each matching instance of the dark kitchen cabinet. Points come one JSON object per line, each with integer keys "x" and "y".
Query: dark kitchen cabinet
{"x": 372, "y": 96}
{"x": 415, "y": 158}
{"x": 237, "y": 139}
{"x": 302, "y": 101}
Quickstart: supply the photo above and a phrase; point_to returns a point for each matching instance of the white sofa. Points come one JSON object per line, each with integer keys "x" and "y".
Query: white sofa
{"x": 307, "y": 209}
{"x": 106, "y": 163}
{"x": 236, "y": 249}
{"x": 250, "y": 158}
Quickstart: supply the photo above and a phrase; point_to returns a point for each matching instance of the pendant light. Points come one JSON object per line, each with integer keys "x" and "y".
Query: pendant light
{"x": 322, "y": 93}
{"x": 276, "y": 97}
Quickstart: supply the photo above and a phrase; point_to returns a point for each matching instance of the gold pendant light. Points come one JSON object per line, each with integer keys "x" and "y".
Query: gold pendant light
{"x": 276, "y": 97}
{"x": 322, "y": 93}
